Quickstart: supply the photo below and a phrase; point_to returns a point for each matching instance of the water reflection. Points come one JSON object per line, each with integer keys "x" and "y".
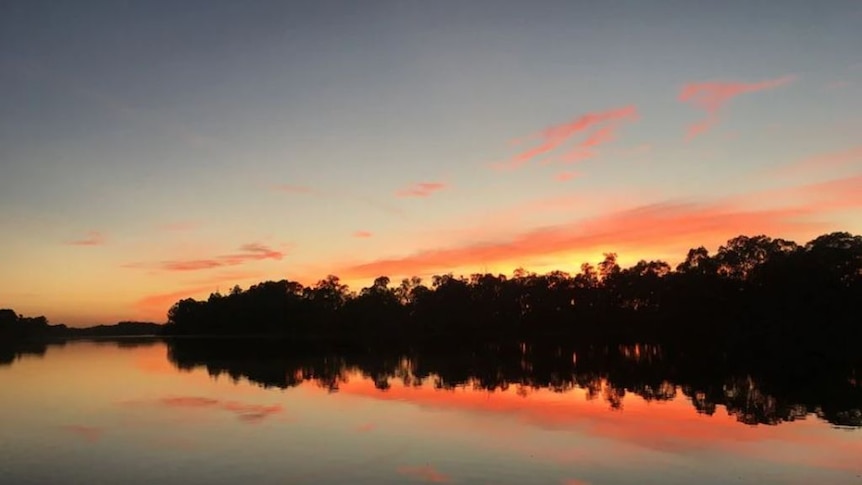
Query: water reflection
{"x": 151, "y": 411}
{"x": 763, "y": 390}
{"x": 12, "y": 350}
{"x": 760, "y": 390}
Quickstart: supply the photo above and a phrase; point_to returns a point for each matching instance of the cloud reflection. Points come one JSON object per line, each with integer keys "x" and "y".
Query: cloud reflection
{"x": 245, "y": 412}
{"x": 425, "y": 473}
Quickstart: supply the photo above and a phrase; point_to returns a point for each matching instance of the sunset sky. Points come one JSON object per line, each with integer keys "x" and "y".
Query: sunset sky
{"x": 151, "y": 151}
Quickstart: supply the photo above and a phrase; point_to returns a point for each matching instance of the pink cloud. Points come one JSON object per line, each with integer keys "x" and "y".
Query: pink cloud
{"x": 247, "y": 253}
{"x": 642, "y": 228}
{"x": 90, "y": 434}
{"x": 362, "y": 234}
{"x": 564, "y": 176}
{"x": 711, "y": 97}
{"x": 292, "y": 189}
{"x": 421, "y": 189}
{"x": 665, "y": 226}
{"x": 190, "y": 265}
{"x": 605, "y": 124}
{"x": 425, "y": 473}
{"x": 93, "y": 238}
{"x": 586, "y": 148}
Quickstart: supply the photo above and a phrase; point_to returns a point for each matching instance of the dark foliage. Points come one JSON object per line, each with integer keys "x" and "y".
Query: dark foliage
{"x": 754, "y": 291}
{"x": 18, "y": 328}
{"x": 756, "y": 389}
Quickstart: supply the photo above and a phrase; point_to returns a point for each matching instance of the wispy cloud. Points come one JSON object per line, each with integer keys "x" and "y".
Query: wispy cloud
{"x": 421, "y": 189}
{"x": 93, "y": 238}
{"x": 600, "y": 128}
{"x": 425, "y": 473}
{"x": 663, "y": 226}
{"x": 712, "y": 96}
{"x": 362, "y": 234}
{"x": 587, "y": 148}
{"x": 247, "y": 253}
{"x": 564, "y": 176}
{"x": 648, "y": 227}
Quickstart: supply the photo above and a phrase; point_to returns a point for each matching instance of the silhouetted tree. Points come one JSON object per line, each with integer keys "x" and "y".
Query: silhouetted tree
{"x": 754, "y": 291}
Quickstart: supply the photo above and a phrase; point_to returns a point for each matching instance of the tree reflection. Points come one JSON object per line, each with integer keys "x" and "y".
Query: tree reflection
{"x": 753, "y": 391}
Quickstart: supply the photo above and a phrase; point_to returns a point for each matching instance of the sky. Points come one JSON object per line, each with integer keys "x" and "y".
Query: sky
{"x": 151, "y": 151}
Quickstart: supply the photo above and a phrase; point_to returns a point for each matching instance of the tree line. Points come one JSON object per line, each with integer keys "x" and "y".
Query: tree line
{"x": 752, "y": 290}
{"x": 17, "y": 327}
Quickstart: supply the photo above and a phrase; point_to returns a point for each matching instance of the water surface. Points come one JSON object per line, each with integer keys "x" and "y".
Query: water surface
{"x": 147, "y": 412}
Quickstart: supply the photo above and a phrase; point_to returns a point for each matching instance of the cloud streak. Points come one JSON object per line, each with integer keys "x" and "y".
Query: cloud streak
{"x": 600, "y": 128}
{"x": 421, "y": 189}
{"x": 712, "y": 96}
{"x": 660, "y": 226}
{"x": 362, "y": 234}
{"x": 247, "y": 253}
{"x": 565, "y": 176}
{"x": 246, "y": 412}
{"x": 425, "y": 473}
{"x": 93, "y": 238}
{"x": 647, "y": 227}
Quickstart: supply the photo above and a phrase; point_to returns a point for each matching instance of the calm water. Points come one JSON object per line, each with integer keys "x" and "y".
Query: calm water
{"x": 89, "y": 412}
